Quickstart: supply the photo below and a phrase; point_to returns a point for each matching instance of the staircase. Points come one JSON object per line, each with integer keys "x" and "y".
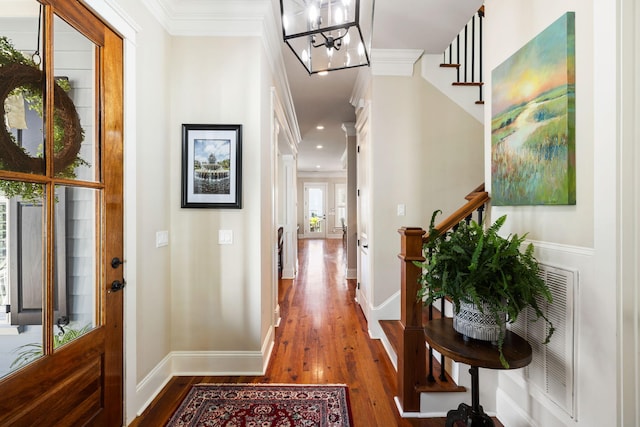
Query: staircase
{"x": 460, "y": 68}
{"x": 419, "y": 368}
{"x": 428, "y": 383}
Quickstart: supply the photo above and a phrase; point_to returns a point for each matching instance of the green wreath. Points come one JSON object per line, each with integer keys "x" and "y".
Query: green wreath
{"x": 13, "y": 157}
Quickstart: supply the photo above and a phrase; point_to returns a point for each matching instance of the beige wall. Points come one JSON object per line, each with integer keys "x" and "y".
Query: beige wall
{"x": 266, "y": 206}
{"x": 426, "y": 153}
{"x": 216, "y": 289}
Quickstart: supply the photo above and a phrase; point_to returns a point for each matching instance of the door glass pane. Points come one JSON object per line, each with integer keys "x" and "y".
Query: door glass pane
{"x": 76, "y": 257}
{"x": 21, "y": 274}
{"x": 75, "y": 100}
{"x": 341, "y": 205}
{"x": 21, "y": 79}
{"x": 316, "y": 210}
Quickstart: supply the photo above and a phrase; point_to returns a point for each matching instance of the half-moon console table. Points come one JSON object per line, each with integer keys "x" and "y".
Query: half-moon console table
{"x": 441, "y": 336}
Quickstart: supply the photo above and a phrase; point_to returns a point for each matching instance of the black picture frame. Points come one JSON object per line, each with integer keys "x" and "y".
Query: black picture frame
{"x": 212, "y": 166}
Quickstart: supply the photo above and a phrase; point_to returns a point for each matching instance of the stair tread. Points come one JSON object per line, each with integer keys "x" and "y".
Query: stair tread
{"x": 450, "y": 65}
{"x": 393, "y": 329}
{"x": 468, "y": 83}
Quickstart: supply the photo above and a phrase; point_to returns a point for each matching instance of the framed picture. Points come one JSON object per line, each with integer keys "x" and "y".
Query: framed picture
{"x": 212, "y": 166}
{"x": 533, "y": 121}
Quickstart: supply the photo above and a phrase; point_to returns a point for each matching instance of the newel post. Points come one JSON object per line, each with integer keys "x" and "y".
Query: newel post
{"x": 412, "y": 353}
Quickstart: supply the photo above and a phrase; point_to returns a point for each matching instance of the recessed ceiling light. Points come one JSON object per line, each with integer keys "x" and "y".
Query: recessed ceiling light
{"x": 319, "y": 147}
{"x": 317, "y": 166}
{"x": 320, "y": 127}
{"x": 323, "y": 73}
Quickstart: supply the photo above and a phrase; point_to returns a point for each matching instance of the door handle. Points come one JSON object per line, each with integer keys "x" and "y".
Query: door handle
{"x": 116, "y": 262}
{"x": 365, "y": 246}
{"x": 117, "y": 285}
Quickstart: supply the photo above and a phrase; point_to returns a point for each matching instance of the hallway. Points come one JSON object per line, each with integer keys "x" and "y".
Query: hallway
{"x": 322, "y": 338}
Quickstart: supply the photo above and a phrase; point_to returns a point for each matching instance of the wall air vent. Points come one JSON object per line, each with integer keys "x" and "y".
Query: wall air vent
{"x": 553, "y": 364}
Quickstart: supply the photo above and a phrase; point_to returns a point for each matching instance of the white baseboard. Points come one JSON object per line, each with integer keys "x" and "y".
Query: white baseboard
{"x": 210, "y": 363}
{"x": 388, "y": 310}
{"x": 327, "y": 236}
{"x": 153, "y": 383}
{"x": 203, "y": 363}
{"x": 288, "y": 273}
{"x": 417, "y": 414}
{"x": 435, "y": 413}
{"x": 276, "y": 316}
{"x": 510, "y": 412}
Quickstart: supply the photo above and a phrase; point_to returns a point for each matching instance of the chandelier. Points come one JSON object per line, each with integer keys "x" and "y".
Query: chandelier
{"x": 328, "y": 35}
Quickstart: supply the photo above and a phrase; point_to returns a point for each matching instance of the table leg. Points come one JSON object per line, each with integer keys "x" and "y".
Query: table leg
{"x": 471, "y": 416}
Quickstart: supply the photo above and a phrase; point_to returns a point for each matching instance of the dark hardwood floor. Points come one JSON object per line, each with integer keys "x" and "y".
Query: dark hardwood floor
{"x": 322, "y": 338}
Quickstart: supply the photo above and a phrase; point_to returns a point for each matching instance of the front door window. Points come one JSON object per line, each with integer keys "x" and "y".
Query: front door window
{"x": 49, "y": 230}
{"x": 315, "y": 206}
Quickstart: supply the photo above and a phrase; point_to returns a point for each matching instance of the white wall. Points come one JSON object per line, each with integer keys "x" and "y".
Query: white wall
{"x": 152, "y": 142}
{"x": 352, "y": 202}
{"x": 578, "y": 237}
{"x": 426, "y": 153}
{"x": 629, "y": 296}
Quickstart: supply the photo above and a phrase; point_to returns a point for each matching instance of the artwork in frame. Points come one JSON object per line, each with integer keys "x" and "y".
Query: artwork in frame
{"x": 533, "y": 121}
{"x": 211, "y": 166}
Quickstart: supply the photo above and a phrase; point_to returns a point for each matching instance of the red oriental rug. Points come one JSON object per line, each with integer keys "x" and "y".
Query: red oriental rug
{"x": 273, "y": 405}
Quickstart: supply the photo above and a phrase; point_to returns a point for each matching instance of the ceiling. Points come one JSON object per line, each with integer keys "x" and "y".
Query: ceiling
{"x": 427, "y": 25}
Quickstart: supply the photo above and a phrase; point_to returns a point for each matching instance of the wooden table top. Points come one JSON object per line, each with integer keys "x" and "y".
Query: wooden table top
{"x": 440, "y": 334}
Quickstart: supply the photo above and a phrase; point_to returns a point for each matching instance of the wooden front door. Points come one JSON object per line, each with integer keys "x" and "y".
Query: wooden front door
{"x": 61, "y": 217}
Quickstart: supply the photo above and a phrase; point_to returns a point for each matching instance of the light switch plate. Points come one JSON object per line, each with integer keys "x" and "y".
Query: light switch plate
{"x": 401, "y": 209}
{"x": 225, "y": 237}
{"x": 162, "y": 238}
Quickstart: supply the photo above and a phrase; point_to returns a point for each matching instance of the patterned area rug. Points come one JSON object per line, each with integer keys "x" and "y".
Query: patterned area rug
{"x": 277, "y": 405}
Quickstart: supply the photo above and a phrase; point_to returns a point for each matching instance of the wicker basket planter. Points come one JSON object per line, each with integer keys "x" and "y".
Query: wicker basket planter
{"x": 478, "y": 324}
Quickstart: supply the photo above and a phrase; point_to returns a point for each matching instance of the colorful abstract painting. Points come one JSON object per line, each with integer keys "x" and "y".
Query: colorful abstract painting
{"x": 533, "y": 121}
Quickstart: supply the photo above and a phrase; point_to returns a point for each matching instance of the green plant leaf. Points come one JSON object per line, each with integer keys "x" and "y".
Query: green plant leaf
{"x": 475, "y": 264}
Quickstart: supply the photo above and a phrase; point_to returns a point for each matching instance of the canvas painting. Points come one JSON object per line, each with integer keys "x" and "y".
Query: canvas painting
{"x": 533, "y": 121}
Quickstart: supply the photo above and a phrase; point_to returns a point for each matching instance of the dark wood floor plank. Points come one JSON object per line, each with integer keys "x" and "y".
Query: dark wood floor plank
{"x": 322, "y": 339}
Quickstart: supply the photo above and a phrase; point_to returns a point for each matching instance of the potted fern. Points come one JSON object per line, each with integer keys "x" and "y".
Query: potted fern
{"x": 479, "y": 270}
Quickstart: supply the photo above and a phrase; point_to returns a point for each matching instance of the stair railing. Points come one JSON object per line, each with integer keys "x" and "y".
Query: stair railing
{"x": 465, "y": 54}
{"x": 412, "y": 369}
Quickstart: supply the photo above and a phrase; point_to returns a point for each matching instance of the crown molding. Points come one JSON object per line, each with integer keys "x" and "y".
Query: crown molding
{"x": 159, "y": 10}
{"x": 394, "y": 62}
{"x": 222, "y": 18}
{"x": 231, "y": 18}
